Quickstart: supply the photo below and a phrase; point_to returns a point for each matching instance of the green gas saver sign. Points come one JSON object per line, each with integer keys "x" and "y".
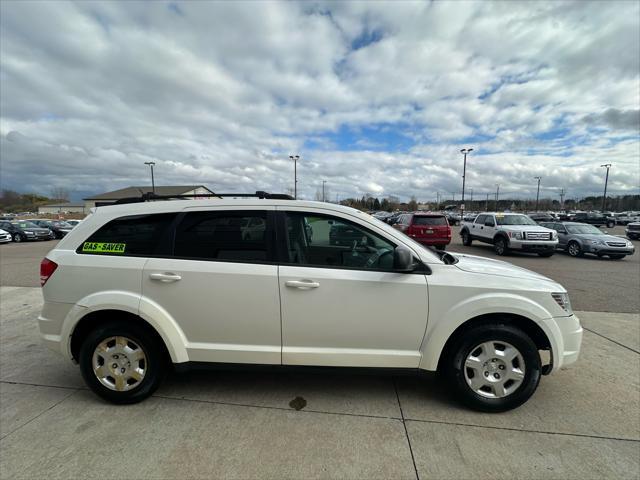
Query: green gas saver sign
{"x": 102, "y": 247}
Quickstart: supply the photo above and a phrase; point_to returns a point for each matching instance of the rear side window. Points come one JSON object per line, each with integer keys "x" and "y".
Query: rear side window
{"x": 422, "y": 220}
{"x": 138, "y": 235}
{"x": 224, "y": 236}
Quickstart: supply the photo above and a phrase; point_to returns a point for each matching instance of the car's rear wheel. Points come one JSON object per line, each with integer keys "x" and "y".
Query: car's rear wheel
{"x": 493, "y": 368}
{"x": 574, "y": 249}
{"x": 466, "y": 239}
{"x": 500, "y": 246}
{"x": 122, "y": 362}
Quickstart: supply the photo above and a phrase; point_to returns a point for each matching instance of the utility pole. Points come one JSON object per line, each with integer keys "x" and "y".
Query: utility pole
{"x": 437, "y": 200}
{"x": 295, "y": 159}
{"x": 486, "y": 205}
{"x": 497, "y": 194}
{"x": 606, "y": 181}
{"x": 562, "y": 199}
{"x": 471, "y": 195}
{"x": 323, "y": 182}
{"x": 538, "y": 192}
{"x": 153, "y": 183}
{"x": 464, "y": 151}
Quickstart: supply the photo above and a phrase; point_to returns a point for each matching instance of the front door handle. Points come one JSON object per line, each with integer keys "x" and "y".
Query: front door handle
{"x": 303, "y": 284}
{"x": 165, "y": 277}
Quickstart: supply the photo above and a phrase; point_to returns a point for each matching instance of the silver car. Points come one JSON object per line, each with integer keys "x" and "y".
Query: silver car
{"x": 579, "y": 238}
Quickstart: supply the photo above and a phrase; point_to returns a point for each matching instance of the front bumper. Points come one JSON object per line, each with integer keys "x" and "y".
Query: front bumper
{"x": 566, "y": 339}
{"x": 608, "y": 250}
{"x": 533, "y": 245}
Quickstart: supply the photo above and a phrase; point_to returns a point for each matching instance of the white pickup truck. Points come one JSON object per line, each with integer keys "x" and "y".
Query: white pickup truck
{"x": 510, "y": 231}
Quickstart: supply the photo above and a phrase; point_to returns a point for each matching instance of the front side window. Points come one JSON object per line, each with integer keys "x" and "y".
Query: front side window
{"x": 480, "y": 219}
{"x": 224, "y": 236}
{"x": 132, "y": 235}
{"x": 323, "y": 241}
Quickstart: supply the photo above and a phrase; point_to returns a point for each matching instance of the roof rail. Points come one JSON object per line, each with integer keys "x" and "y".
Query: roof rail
{"x": 150, "y": 196}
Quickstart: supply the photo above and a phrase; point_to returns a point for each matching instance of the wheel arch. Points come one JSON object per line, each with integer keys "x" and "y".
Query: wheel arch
{"x": 528, "y": 326}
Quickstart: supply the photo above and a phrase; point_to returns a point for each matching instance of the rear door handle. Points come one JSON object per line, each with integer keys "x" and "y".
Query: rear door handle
{"x": 165, "y": 277}
{"x": 303, "y": 284}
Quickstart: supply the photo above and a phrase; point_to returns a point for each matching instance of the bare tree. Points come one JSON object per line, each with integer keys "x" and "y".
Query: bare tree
{"x": 60, "y": 194}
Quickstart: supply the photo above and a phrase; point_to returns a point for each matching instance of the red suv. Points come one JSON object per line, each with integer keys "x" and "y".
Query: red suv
{"x": 427, "y": 228}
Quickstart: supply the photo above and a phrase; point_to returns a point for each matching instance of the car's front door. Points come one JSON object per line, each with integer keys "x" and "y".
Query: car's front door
{"x": 342, "y": 303}
{"x": 221, "y": 286}
{"x": 562, "y": 234}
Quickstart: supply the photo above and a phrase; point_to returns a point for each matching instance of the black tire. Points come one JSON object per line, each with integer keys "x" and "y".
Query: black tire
{"x": 17, "y": 237}
{"x": 546, "y": 254}
{"x": 155, "y": 358}
{"x": 574, "y": 249}
{"x": 610, "y": 224}
{"x": 500, "y": 246}
{"x": 616, "y": 257}
{"x": 466, "y": 238}
{"x": 454, "y": 366}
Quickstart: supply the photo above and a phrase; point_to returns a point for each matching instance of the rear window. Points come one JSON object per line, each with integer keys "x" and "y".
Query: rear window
{"x": 132, "y": 235}
{"x": 422, "y": 220}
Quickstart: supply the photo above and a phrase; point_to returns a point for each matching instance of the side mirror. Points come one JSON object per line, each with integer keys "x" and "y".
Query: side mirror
{"x": 403, "y": 260}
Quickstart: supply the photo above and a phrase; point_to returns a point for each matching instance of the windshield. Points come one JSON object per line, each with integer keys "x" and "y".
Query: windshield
{"x": 590, "y": 229}
{"x": 514, "y": 220}
{"x": 25, "y": 224}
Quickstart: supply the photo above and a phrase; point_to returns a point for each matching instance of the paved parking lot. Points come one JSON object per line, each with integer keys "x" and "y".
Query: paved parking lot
{"x": 582, "y": 423}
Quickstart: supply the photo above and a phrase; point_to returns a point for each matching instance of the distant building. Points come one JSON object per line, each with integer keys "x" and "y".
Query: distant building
{"x": 67, "y": 207}
{"x": 109, "y": 198}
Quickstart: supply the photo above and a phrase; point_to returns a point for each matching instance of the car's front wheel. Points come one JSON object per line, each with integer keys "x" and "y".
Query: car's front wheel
{"x": 500, "y": 246}
{"x": 493, "y": 368}
{"x": 574, "y": 249}
{"x": 122, "y": 362}
{"x": 17, "y": 237}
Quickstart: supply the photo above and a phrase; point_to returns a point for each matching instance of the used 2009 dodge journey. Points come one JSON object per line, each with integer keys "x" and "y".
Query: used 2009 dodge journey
{"x": 264, "y": 280}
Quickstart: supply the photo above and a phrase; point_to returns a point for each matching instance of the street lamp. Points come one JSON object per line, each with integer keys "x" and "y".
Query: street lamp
{"x": 538, "y": 193}
{"x": 606, "y": 181}
{"x": 153, "y": 183}
{"x": 323, "y": 182}
{"x": 464, "y": 151}
{"x": 295, "y": 159}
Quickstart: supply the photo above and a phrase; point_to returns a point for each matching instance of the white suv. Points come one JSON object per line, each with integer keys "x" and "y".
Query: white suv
{"x": 135, "y": 288}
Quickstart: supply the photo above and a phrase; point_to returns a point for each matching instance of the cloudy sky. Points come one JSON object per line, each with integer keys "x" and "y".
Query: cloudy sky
{"x": 376, "y": 97}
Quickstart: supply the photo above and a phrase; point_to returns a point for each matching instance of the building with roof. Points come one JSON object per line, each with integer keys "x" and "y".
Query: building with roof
{"x": 109, "y": 198}
{"x": 59, "y": 208}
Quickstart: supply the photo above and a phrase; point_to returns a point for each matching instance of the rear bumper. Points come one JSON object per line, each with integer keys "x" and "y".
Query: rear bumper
{"x": 50, "y": 323}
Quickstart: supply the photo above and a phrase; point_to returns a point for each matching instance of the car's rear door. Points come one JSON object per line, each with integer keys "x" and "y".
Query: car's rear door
{"x": 221, "y": 285}
{"x": 340, "y": 303}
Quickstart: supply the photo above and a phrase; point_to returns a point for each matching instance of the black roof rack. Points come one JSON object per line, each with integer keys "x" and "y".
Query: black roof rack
{"x": 150, "y": 196}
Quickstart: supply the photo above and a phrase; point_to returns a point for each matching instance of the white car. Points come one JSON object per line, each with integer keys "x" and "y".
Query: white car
{"x": 137, "y": 287}
{"x": 5, "y": 236}
{"x": 510, "y": 231}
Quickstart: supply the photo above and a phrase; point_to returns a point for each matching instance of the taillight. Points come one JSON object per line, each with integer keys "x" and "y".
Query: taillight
{"x": 47, "y": 267}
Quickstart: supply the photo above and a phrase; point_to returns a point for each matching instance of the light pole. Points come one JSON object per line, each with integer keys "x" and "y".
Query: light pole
{"x": 153, "y": 183}
{"x": 538, "y": 193}
{"x": 606, "y": 181}
{"x": 295, "y": 159}
{"x": 464, "y": 151}
{"x": 497, "y": 194}
{"x": 323, "y": 182}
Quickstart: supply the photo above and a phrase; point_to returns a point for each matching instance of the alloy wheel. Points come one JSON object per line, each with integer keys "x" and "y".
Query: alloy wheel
{"x": 574, "y": 249}
{"x": 119, "y": 363}
{"x": 494, "y": 369}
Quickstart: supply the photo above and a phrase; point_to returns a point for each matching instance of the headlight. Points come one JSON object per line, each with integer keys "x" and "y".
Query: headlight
{"x": 554, "y": 235}
{"x": 516, "y": 235}
{"x": 629, "y": 244}
{"x": 562, "y": 299}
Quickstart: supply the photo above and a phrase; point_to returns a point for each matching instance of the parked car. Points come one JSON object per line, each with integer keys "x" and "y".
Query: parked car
{"x": 58, "y": 227}
{"x": 73, "y": 223}
{"x": 593, "y": 218}
{"x": 21, "y": 230}
{"x": 633, "y": 230}
{"x": 625, "y": 218}
{"x": 510, "y": 231}
{"x": 453, "y": 218}
{"x": 138, "y": 286}
{"x": 431, "y": 229}
{"x": 5, "y": 236}
{"x": 542, "y": 217}
{"x": 579, "y": 238}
